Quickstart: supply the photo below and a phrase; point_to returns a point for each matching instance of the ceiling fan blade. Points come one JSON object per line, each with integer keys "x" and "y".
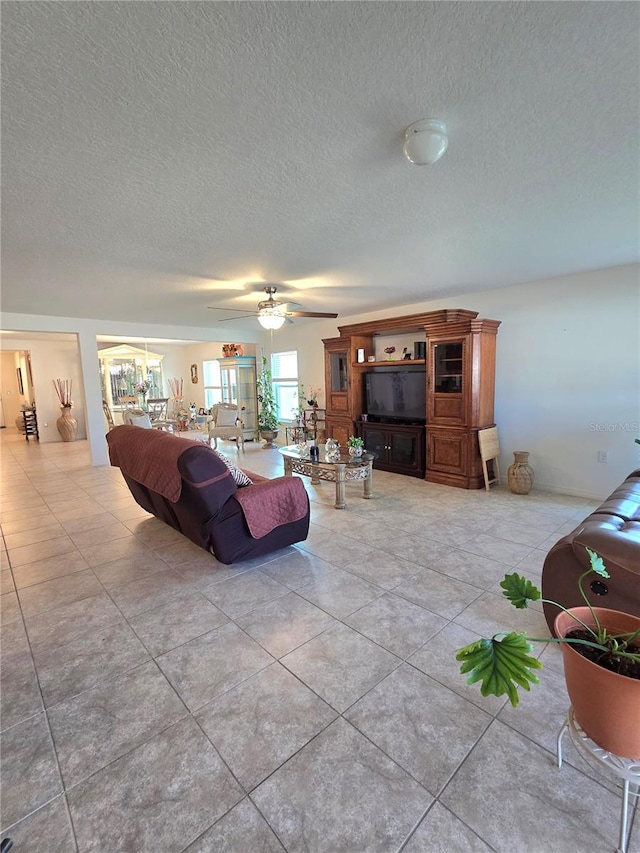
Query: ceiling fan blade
{"x": 243, "y": 317}
{"x": 309, "y": 314}
{"x": 217, "y": 308}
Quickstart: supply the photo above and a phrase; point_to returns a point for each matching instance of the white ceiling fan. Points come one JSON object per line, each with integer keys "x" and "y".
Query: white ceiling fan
{"x": 271, "y": 313}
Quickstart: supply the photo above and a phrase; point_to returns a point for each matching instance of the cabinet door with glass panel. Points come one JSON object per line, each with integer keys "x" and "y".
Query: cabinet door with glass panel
{"x": 235, "y": 383}
{"x": 336, "y": 368}
{"x": 447, "y": 382}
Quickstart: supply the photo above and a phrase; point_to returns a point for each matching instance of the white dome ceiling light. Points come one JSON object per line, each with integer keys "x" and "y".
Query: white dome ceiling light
{"x": 425, "y": 141}
{"x": 271, "y": 318}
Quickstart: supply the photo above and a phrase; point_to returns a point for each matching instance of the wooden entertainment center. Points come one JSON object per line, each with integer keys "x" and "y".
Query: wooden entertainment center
{"x": 459, "y": 372}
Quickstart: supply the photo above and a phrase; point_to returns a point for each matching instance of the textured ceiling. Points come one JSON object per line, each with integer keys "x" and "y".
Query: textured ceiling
{"x": 158, "y": 156}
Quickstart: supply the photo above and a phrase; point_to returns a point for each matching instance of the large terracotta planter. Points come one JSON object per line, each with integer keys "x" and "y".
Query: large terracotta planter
{"x": 606, "y": 705}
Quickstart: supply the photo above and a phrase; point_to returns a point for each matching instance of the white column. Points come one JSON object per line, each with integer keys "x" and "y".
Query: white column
{"x": 96, "y": 428}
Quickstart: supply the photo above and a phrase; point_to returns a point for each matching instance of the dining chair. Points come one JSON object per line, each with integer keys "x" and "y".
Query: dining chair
{"x": 108, "y": 415}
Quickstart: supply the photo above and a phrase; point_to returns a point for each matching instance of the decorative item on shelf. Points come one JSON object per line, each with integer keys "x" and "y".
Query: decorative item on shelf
{"x": 312, "y": 396}
{"x": 601, "y": 657}
{"x": 419, "y": 349}
{"x": 268, "y": 414}
{"x": 390, "y": 351}
{"x": 67, "y": 425}
{"x": 406, "y": 355}
{"x": 229, "y": 350}
{"x": 520, "y": 473}
{"x": 356, "y": 446}
{"x": 176, "y": 391}
{"x": 142, "y": 389}
{"x": 332, "y": 450}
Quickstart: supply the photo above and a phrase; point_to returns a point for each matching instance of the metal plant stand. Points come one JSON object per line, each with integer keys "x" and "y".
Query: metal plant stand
{"x": 625, "y": 768}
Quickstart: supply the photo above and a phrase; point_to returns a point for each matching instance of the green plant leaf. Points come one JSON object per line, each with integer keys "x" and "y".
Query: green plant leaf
{"x": 596, "y": 564}
{"x": 519, "y": 590}
{"x": 500, "y": 665}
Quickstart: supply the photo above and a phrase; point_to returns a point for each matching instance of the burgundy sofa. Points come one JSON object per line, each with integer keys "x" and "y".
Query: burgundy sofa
{"x": 613, "y": 532}
{"x": 187, "y": 485}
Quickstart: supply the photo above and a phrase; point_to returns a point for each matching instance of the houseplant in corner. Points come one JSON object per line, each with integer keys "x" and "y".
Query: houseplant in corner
{"x": 601, "y": 656}
{"x": 268, "y": 414}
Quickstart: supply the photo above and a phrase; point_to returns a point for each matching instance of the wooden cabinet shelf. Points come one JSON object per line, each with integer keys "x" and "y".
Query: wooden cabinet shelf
{"x": 390, "y": 362}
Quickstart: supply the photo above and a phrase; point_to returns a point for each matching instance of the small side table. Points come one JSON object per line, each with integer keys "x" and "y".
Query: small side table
{"x": 625, "y": 768}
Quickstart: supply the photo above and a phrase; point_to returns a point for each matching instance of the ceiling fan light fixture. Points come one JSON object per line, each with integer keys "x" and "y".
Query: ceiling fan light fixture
{"x": 425, "y": 141}
{"x": 271, "y": 318}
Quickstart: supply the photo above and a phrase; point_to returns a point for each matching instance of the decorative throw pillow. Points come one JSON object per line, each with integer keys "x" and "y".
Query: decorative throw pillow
{"x": 239, "y": 476}
{"x": 141, "y": 421}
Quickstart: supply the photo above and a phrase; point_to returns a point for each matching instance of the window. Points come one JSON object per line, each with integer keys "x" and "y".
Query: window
{"x": 212, "y": 380}
{"x": 284, "y": 371}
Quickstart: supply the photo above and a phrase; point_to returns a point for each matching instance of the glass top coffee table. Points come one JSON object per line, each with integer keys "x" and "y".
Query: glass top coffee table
{"x": 347, "y": 470}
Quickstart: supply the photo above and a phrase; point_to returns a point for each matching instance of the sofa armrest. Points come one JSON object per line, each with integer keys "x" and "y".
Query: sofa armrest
{"x": 272, "y": 503}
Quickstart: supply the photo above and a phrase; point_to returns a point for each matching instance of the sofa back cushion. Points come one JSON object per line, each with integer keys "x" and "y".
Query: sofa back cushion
{"x": 206, "y": 481}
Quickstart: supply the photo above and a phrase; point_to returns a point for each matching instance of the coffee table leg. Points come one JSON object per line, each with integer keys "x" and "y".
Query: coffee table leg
{"x": 368, "y": 483}
{"x": 340, "y": 490}
{"x": 315, "y": 480}
{"x": 287, "y": 466}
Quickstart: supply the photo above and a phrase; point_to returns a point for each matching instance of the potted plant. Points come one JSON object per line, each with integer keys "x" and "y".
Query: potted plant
{"x": 601, "y": 656}
{"x": 268, "y": 414}
{"x": 355, "y": 445}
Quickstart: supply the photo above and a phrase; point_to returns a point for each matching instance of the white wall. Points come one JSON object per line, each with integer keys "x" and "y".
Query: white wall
{"x": 196, "y": 354}
{"x": 11, "y": 397}
{"x": 52, "y": 359}
{"x": 568, "y": 368}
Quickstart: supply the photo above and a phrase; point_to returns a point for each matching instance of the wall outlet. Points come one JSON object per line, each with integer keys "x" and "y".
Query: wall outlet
{"x": 603, "y": 456}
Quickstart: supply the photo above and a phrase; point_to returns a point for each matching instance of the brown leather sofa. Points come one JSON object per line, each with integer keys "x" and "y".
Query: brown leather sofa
{"x": 613, "y": 532}
{"x": 188, "y": 486}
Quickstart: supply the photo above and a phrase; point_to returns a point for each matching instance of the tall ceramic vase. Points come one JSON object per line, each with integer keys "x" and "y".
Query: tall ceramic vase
{"x": 520, "y": 474}
{"x": 67, "y": 424}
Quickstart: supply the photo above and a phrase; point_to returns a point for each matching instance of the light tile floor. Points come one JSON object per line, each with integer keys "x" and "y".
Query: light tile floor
{"x": 154, "y": 700}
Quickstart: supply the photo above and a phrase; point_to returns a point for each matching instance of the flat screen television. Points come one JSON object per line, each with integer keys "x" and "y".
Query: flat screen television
{"x": 396, "y": 395}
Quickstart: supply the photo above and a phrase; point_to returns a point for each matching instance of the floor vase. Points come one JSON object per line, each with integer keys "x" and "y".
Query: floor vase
{"x": 67, "y": 424}
{"x": 520, "y": 473}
